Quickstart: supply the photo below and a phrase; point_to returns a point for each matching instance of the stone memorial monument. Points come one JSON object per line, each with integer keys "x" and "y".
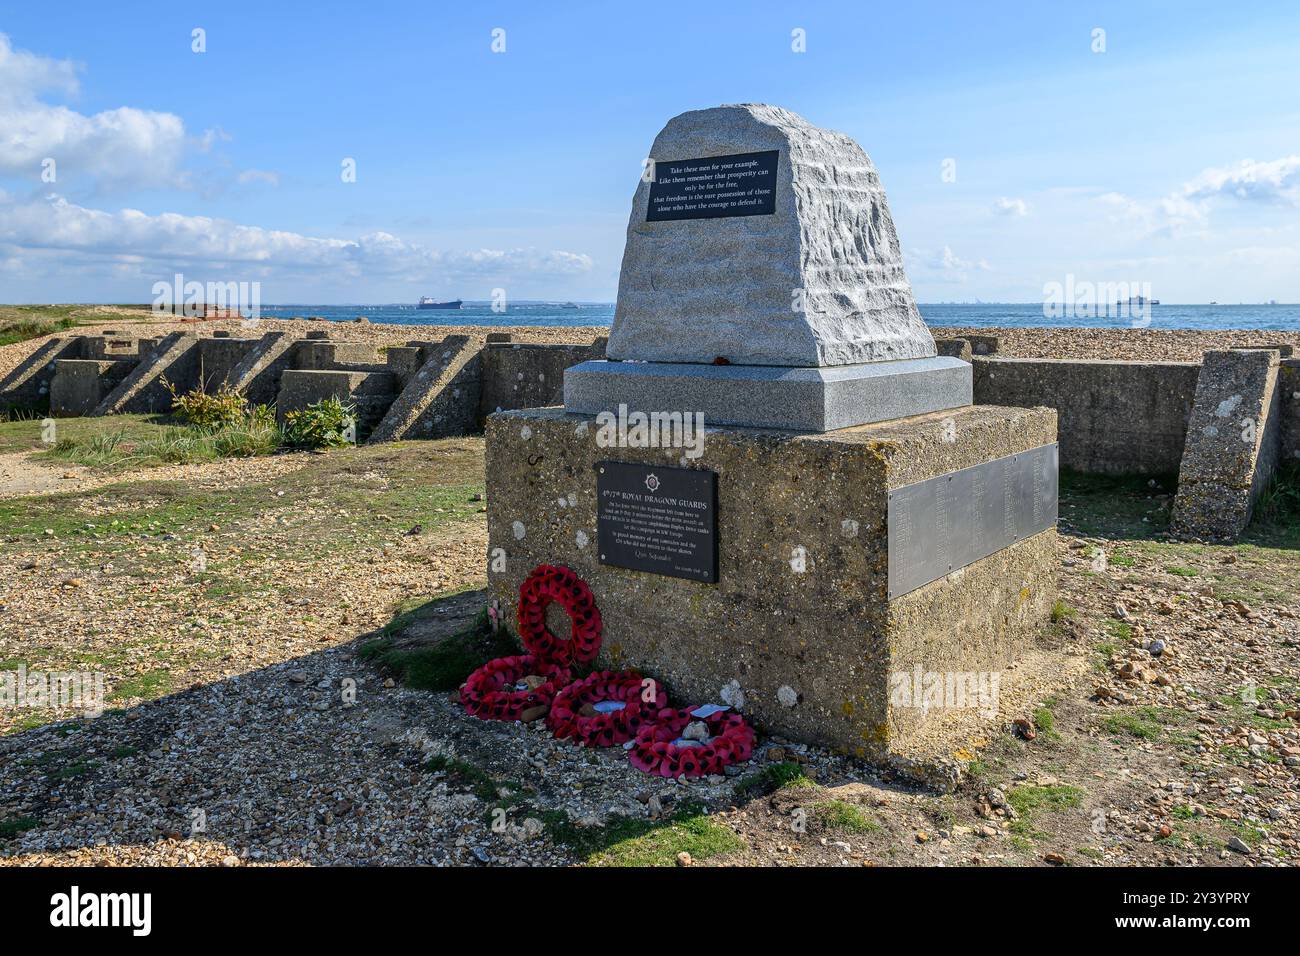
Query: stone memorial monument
{"x": 763, "y": 284}
{"x": 848, "y": 525}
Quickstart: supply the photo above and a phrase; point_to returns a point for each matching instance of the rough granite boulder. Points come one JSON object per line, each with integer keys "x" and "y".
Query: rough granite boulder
{"x": 817, "y": 282}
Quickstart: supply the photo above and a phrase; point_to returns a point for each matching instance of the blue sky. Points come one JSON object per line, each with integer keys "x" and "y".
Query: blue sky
{"x": 1173, "y": 157}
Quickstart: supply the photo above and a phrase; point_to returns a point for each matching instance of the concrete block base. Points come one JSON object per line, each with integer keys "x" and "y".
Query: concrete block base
{"x": 370, "y": 392}
{"x": 799, "y": 631}
{"x": 767, "y": 396}
{"x": 1233, "y": 443}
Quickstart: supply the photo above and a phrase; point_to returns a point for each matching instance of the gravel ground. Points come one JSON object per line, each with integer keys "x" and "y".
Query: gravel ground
{"x": 245, "y": 730}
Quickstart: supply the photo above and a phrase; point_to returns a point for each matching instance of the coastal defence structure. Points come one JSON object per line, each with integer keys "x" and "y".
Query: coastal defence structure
{"x": 1222, "y": 426}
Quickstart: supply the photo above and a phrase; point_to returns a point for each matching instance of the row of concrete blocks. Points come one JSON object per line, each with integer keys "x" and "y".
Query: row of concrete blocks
{"x": 415, "y": 390}
{"x": 1222, "y": 425}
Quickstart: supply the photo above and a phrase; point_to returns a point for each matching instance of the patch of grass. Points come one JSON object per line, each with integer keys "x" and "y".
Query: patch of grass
{"x": 339, "y": 503}
{"x": 1150, "y": 723}
{"x": 480, "y": 782}
{"x": 1131, "y": 725}
{"x": 144, "y": 686}
{"x": 29, "y": 722}
{"x": 445, "y": 664}
{"x": 1250, "y": 835}
{"x": 646, "y": 843}
{"x": 1045, "y": 720}
{"x": 1122, "y": 560}
{"x": 77, "y": 768}
{"x": 1182, "y": 571}
{"x": 842, "y": 815}
{"x": 776, "y": 776}
{"x": 1280, "y": 499}
{"x": 1030, "y": 799}
{"x": 1115, "y": 506}
{"x": 121, "y": 753}
{"x": 1119, "y": 630}
{"x": 32, "y": 326}
{"x": 11, "y": 828}
{"x": 34, "y": 433}
{"x": 1062, "y": 612}
{"x": 169, "y": 445}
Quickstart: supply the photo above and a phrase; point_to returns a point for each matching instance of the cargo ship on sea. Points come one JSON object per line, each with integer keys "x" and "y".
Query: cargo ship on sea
{"x": 428, "y": 303}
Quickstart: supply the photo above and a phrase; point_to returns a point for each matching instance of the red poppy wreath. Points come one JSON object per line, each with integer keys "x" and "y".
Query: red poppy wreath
{"x": 509, "y": 687}
{"x": 560, "y": 585}
{"x": 675, "y": 746}
{"x": 606, "y": 708}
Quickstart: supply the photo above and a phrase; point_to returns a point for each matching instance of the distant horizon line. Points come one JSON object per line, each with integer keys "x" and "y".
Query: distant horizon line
{"x": 589, "y": 302}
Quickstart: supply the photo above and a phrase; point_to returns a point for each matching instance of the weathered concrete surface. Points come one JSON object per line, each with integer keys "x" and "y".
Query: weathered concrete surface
{"x": 175, "y": 357}
{"x": 443, "y": 396}
{"x": 28, "y": 384}
{"x": 698, "y": 289}
{"x": 529, "y": 376}
{"x": 321, "y": 355}
{"x": 983, "y": 344}
{"x": 405, "y": 360}
{"x": 1116, "y": 418}
{"x": 765, "y": 396}
{"x": 78, "y": 385}
{"x": 219, "y": 357}
{"x": 801, "y": 601}
{"x": 370, "y": 392}
{"x": 1288, "y": 384}
{"x": 954, "y": 348}
{"x": 1233, "y": 444}
{"x": 257, "y": 374}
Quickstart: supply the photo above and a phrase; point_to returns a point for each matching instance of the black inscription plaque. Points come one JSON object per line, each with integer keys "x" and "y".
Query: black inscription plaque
{"x": 742, "y": 184}
{"x": 662, "y": 520}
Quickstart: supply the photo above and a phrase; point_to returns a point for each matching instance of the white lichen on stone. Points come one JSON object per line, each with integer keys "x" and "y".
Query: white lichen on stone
{"x": 525, "y": 433}
{"x": 518, "y": 529}
{"x": 732, "y": 694}
{"x": 787, "y": 696}
{"x": 1228, "y": 406}
{"x": 849, "y": 527}
{"x": 581, "y": 539}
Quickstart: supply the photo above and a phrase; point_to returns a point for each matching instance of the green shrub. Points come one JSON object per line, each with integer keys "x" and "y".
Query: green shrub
{"x": 329, "y": 423}
{"x": 211, "y": 411}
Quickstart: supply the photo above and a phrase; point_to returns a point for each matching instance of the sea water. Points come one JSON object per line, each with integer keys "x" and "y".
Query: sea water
{"x": 1249, "y": 317}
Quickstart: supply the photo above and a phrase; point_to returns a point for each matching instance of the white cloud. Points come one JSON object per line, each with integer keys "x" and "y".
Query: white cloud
{"x": 259, "y": 176}
{"x": 948, "y": 261}
{"x": 1187, "y": 210}
{"x": 117, "y": 147}
{"x": 1275, "y": 181}
{"x": 943, "y": 266}
{"x": 1171, "y": 216}
{"x": 170, "y": 239}
{"x": 1005, "y": 206}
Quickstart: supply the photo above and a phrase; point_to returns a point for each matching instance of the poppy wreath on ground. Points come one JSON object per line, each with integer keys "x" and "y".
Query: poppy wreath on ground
{"x": 577, "y": 712}
{"x": 492, "y": 691}
{"x": 660, "y": 751}
{"x": 549, "y": 584}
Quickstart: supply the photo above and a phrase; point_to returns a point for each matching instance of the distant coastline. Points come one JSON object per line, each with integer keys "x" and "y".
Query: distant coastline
{"x": 968, "y": 315}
